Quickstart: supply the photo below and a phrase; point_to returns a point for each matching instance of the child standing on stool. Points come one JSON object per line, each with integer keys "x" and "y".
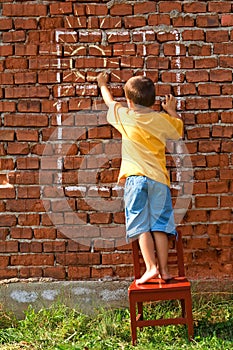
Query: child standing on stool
{"x": 148, "y": 207}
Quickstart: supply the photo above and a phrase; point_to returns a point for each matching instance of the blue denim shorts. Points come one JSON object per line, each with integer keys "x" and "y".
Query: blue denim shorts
{"x": 148, "y": 207}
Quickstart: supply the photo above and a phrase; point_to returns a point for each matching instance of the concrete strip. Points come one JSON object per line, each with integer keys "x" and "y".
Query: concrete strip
{"x": 86, "y": 296}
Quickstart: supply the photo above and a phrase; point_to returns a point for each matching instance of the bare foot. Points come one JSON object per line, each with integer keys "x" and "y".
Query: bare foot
{"x": 165, "y": 276}
{"x": 153, "y": 273}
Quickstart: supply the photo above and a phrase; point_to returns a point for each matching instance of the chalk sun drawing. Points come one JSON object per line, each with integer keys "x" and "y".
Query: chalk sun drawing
{"x": 79, "y": 230}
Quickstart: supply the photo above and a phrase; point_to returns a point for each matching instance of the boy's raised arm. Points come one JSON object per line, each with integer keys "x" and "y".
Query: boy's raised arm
{"x": 102, "y": 83}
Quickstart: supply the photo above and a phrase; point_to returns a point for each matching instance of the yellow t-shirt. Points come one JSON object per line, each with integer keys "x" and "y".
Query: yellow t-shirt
{"x": 144, "y": 140}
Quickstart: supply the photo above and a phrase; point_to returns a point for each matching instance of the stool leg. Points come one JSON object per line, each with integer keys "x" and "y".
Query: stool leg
{"x": 188, "y": 306}
{"x": 132, "y": 307}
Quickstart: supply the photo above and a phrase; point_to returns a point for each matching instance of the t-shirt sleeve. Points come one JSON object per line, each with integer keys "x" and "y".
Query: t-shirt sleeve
{"x": 175, "y": 127}
{"x": 115, "y": 115}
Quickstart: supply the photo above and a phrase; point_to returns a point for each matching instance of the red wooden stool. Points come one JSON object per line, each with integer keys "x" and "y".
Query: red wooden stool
{"x": 156, "y": 289}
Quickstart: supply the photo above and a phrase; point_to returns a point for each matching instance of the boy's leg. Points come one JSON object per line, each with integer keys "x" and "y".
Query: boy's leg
{"x": 161, "y": 242}
{"x": 146, "y": 243}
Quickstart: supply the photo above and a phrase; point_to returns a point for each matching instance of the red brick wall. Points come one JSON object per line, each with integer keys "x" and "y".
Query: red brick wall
{"x": 61, "y": 210}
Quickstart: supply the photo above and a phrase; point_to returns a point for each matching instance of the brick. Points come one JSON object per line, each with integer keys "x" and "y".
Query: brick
{"x": 6, "y": 50}
{"x": 227, "y": 20}
{"x": 196, "y": 216}
{"x": 207, "y": 21}
{"x": 25, "y": 23}
{"x": 27, "y": 92}
{"x": 28, "y": 219}
{"x": 60, "y": 8}
{"x": 143, "y": 35}
{"x": 4, "y": 261}
{"x": 18, "y": 148}
{"x": 6, "y": 164}
{"x": 223, "y": 48}
{"x": 75, "y": 22}
{"x": 195, "y": 7}
{"x": 217, "y": 36}
{"x": 29, "y": 192}
{"x": 27, "y": 163}
{"x": 217, "y": 160}
{"x": 25, "y": 120}
{"x": 134, "y": 22}
{"x": 32, "y": 247}
{"x": 206, "y": 63}
{"x": 100, "y": 218}
{"x": 183, "y": 21}
{"x": 199, "y": 50}
{"x": 227, "y": 117}
{"x": 15, "y": 36}
{"x": 170, "y": 6}
{"x": 24, "y": 10}
{"x": 206, "y": 202}
{"x": 197, "y": 103}
{"x": 79, "y": 272}
{"x": 145, "y": 7}
{"x": 196, "y": 76}
{"x": 109, "y": 22}
{"x": 54, "y": 247}
{"x": 121, "y": 10}
{"x": 220, "y": 215}
{"x": 157, "y": 63}
{"x": 100, "y": 50}
{"x": 217, "y": 187}
{"x": 207, "y": 118}
{"x": 226, "y": 174}
{"x": 56, "y": 272}
{"x": 32, "y": 260}
{"x": 78, "y": 258}
{"x": 90, "y": 36}
{"x": 171, "y": 49}
{"x": 7, "y": 220}
{"x": 45, "y": 233}
{"x": 51, "y": 23}
{"x": 221, "y": 103}
{"x": 25, "y": 205}
{"x": 226, "y": 146}
{"x": 6, "y": 193}
{"x": 27, "y": 135}
{"x": 79, "y": 9}
{"x": 119, "y": 36}
{"x": 7, "y": 135}
{"x": 221, "y": 75}
{"x": 93, "y": 23}
{"x": 6, "y": 106}
{"x": 217, "y": 6}
{"x": 16, "y": 63}
{"x": 208, "y": 89}
{"x": 96, "y": 10}
{"x": 222, "y": 131}
{"x": 25, "y": 78}
{"x": 226, "y": 201}
{"x": 101, "y": 272}
{"x": 6, "y": 23}
{"x": 183, "y": 63}
{"x": 9, "y": 273}
{"x": 193, "y": 35}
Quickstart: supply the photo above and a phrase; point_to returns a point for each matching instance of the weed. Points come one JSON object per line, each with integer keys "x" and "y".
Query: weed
{"x": 62, "y": 328}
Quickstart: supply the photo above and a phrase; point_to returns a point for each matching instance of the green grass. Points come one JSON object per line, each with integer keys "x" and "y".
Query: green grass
{"x": 63, "y": 328}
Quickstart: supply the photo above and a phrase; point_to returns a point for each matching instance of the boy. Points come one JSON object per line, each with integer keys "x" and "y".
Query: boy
{"x": 148, "y": 206}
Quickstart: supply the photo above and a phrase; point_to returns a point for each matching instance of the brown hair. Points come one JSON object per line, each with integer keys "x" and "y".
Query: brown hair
{"x": 140, "y": 90}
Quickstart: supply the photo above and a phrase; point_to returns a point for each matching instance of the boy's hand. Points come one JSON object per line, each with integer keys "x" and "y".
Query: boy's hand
{"x": 170, "y": 105}
{"x": 102, "y": 79}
